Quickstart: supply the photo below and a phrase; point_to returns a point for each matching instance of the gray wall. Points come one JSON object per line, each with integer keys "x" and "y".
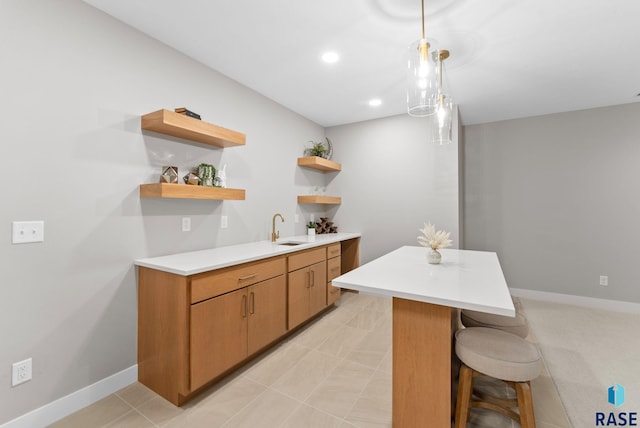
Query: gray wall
{"x": 557, "y": 198}
{"x": 74, "y": 84}
{"x": 393, "y": 180}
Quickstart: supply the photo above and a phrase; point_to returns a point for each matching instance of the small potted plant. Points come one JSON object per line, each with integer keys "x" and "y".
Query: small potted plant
{"x": 318, "y": 149}
{"x": 206, "y": 173}
{"x": 311, "y": 228}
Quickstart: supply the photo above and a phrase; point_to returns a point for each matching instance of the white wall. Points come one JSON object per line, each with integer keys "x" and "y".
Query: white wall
{"x": 556, "y": 197}
{"x": 393, "y": 180}
{"x": 74, "y": 84}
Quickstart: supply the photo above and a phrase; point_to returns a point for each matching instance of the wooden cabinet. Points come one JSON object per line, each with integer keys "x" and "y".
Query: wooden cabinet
{"x": 307, "y": 288}
{"x": 307, "y": 285}
{"x": 218, "y": 336}
{"x": 267, "y": 307}
{"x": 167, "y": 122}
{"x": 333, "y": 271}
{"x": 227, "y": 329}
{"x": 194, "y": 329}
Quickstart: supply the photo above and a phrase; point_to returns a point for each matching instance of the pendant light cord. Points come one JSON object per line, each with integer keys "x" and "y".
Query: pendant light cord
{"x": 423, "y": 19}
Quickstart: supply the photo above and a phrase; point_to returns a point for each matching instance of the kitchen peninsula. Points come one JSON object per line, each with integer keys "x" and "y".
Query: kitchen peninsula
{"x": 423, "y": 297}
{"x": 204, "y": 313}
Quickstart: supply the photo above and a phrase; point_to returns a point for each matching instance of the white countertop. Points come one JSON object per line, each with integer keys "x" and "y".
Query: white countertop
{"x": 215, "y": 258}
{"x": 464, "y": 279}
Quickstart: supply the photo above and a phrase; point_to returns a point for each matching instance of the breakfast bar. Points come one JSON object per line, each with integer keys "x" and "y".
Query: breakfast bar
{"x": 423, "y": 297}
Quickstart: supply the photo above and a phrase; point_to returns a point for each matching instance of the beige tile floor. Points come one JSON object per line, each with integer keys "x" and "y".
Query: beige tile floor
{"x": 336, "y": 372}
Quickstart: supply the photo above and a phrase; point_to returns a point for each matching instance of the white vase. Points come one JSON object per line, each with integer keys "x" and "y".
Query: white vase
{"x": 434, "y": 257}
{"x": 311, "y": 232}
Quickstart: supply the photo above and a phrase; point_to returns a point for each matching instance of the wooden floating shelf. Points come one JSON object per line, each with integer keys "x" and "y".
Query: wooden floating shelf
{"x": 316, "y": 199}
{"x": 179, "y": 125}
{"x": 184, "y": 191}
{"x": 322, "y": 164}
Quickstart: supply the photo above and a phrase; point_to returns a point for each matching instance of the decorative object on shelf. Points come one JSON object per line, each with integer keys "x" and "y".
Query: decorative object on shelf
{"x": 182, "y": 110}
{"x": 311, "y": 228}
{"x": 422, "y": 79}
{"x": 192, "y": 178}
{"x": 169, "y": 174}
{"x": 435, "y": 240}
{"x": 220, "y": 180}
{"x": 325, "y": 226}
{"x": 317, "y": 149}
{"x": 442, "y": 127}
{"x": 329, "y": 149}
{"x": 206, "y": 173}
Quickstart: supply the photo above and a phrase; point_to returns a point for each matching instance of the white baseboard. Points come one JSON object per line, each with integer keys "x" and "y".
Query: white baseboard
{"x": 56, "y": 410}
{"x": 568, "y": 299}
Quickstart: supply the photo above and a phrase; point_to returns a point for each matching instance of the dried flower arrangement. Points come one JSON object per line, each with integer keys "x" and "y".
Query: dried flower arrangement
{"x": 434, "y": 239}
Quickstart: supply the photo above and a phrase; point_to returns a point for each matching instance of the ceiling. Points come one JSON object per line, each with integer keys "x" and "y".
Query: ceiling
{"x": 509, "y": 58}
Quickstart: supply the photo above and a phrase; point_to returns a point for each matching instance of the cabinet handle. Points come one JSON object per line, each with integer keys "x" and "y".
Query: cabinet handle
{"x": 244, "y": 306}
{"x": 308, "y": 279}
{"x": 244, "y": 278}
{"x": 253, "y": 303}
{"x": 313, "y": 278}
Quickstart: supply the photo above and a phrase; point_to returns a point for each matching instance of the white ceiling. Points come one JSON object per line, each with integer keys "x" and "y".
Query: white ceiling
{"x": 509, "y": 58}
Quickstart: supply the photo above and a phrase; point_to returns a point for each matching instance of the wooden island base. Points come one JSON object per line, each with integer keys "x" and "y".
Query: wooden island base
{"x": 421, "y": 364}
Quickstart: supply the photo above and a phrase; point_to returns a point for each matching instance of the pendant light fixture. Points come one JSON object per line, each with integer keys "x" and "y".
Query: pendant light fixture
{"x": 422, "y": 83}
{"x": 441, "y": 129}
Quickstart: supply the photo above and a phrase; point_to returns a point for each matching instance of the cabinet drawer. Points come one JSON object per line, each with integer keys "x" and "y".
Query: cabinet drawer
{"x": 306, "y": 258}
{"x": 333, "y": 268}
{"x": 211, "y": 284}
{"x": 333, "y": 250}
{"x": 333, "y": 294}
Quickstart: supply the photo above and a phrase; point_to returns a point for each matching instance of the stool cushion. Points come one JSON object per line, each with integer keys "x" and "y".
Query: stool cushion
{"x": 498, "y": 354}
{"x": 517, "y": 325}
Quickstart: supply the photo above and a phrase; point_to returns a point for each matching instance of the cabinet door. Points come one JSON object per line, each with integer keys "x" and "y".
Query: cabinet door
{"x": 318, "y": 288}
{"x": 298, "y": 298}
{"x": 218, "y": 335}
{"x": 267, "y": 312}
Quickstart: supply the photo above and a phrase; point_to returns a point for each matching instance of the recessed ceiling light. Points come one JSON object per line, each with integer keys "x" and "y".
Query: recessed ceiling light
{"x": 330, "y": 57}
{"x": 375, "y": 102}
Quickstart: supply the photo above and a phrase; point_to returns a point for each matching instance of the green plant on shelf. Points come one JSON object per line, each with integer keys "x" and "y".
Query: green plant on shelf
{"x": 317, "y": 149}
{"x": 206, "y": 173}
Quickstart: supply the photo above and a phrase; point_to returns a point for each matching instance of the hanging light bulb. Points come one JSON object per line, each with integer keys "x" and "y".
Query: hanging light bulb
{"x": 441, "y": 129}
{"x": 421, "y": 78}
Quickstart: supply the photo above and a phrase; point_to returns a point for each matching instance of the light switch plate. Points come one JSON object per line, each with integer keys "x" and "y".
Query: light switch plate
{"x": 27, "y": 231}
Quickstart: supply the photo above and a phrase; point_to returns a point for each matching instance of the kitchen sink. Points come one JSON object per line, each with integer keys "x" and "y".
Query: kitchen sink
{"x": 290, "y": 244}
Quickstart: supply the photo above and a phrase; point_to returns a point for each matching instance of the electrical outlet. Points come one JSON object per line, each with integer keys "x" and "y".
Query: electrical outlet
{"x": 296, "y": 218}
{"x": 186, "y": 224}
{"x": 21, "y": 372}
{"x": 224, "y": 222}
{"x": 312, "y": 217}
{"x": 604, "y": 280}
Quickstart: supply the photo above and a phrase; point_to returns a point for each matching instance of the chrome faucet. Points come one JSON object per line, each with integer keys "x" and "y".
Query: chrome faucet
{"x": 275, "y": 235}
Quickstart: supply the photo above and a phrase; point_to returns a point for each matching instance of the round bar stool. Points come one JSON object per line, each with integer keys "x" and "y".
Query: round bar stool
{"x": 501, "y": 355}
{"x": 517, "y": 325}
